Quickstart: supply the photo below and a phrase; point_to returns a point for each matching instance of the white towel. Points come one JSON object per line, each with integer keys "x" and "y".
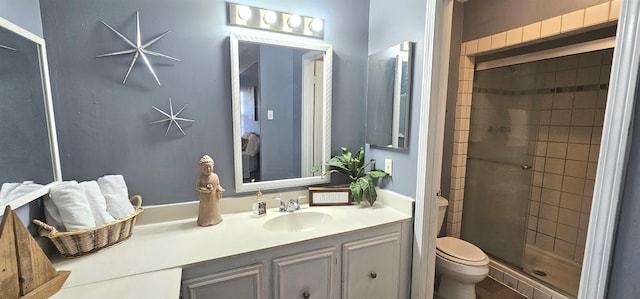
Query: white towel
{"x": 97, "y": 203}
{"x": 11, "y": 191}
{"x": 72, "y": 205}
{"x": 51, "y": 214}
{"x": 5, "y": 191}
{"x": 116, "y": 194}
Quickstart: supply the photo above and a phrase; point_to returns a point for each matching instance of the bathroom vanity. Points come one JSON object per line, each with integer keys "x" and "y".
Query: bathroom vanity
{"x": 349, "y": 252}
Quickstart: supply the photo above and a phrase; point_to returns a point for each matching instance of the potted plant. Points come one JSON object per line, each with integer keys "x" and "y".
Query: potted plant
{"x": 362, "y": 181}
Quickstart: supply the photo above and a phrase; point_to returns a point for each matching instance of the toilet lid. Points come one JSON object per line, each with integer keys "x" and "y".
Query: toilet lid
{"x": 460, "y": 249}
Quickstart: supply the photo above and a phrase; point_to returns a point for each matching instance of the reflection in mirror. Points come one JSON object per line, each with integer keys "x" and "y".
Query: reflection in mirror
{"x": 388, "y": 96}
{"x": 281, "y": 90}
{"x": 28, "y": 155}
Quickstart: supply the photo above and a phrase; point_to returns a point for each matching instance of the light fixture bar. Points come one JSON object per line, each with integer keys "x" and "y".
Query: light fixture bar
{"x": 277, "y": 21}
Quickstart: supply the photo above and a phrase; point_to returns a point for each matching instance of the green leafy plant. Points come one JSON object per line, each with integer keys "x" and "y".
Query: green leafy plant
{"x": 362, "y": 181}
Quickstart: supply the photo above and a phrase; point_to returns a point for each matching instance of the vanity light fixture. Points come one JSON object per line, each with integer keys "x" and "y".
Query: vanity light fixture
{"x": 269, "y": 17}
{"x": 271, "y": 20}
{"x": 244, "y": 13}
{"x": 294, "y": 21}
{"x": 316, "y": 25}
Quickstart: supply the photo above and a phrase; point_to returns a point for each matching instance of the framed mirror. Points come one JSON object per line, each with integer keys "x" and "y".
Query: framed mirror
{"x": 281, "y": 92}
{"x": 29, "y": 161}
{"x": 389, "y": 96}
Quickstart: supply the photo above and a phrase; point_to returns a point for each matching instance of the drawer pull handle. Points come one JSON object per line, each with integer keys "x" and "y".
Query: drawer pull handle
{"x": 373, "y": 275}
{"x": 306, "y": 295}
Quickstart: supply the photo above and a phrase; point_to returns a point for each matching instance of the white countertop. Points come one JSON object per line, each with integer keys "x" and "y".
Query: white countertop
{"x": 164, "y": 245}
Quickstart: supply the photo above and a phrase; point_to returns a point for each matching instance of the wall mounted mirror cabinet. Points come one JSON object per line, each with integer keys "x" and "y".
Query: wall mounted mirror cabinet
{"x": 389, "y": 96}
{"x": 281, "y": 92}
{"x": 29, "y": 159}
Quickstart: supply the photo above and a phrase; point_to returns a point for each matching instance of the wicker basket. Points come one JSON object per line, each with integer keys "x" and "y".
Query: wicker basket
{"x": 81, "y": 242}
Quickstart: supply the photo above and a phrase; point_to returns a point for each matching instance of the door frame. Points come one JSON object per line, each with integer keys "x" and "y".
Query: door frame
{"x": 611, "y": 171}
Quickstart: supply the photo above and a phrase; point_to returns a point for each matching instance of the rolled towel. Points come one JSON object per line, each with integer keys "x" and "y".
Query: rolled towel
{"x": 5, "y": 191}
{"x": 115, "y": 192}
{"x": 97, "y": 202}
{"x": 72, "y": 205}
{"x": 52, "y": 215}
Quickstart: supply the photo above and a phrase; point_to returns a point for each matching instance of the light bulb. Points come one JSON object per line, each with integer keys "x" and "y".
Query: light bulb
{"x": 294, "y": 21}
{"x": 316, "y": 25}
{"x": 244, "y": 13}
{"x": 269, "y": 17}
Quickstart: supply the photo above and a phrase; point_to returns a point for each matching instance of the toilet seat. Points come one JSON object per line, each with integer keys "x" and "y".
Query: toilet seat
{"x": 460, "y": 251}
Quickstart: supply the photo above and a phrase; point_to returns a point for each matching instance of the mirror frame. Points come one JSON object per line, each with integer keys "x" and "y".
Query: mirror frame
{"x": 48, "y": 106}
{"x": 237, "y": 36}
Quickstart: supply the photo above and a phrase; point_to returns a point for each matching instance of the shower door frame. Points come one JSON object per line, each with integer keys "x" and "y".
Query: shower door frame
{"x": 613, "y": 152}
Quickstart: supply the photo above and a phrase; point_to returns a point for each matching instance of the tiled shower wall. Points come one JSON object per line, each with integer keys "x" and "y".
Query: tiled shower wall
{"x": 567, "y": 147}
{"x": 579, "y": 20}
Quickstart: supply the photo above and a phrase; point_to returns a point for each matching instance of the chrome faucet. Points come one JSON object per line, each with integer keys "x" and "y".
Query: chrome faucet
{"x": 292, "y": 204}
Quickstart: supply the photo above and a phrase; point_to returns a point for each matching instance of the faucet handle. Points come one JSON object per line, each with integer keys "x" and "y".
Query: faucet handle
{"x": 283, "y": 207}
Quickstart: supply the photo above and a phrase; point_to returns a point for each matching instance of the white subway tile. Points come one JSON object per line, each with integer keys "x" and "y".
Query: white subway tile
{"x": 531, "y": 32}
{"x": 510, "y": 281}
{"x": 569, "y": 217}
{"x": 525, "y": 289}
{"x": 585, "y": 99}
{"x": 558, "y": 133}
{"x": 596, "y": 14}
{"x": 550, "y": 196}
{"x": 580, "y": 135}
{"x": 572, "y": 21}
{"x": 550, "y": 26}
{"x": 575, "y": 168}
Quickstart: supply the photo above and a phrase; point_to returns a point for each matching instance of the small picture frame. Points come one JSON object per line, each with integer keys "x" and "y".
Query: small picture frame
{"x": 330, "y": 196}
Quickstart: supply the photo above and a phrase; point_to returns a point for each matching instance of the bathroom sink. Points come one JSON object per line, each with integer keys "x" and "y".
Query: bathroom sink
{"x": 296, "y": 222}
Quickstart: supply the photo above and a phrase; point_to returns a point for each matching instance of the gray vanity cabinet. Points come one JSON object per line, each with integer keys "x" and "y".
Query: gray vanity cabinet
{"x": 306, "y": 275}
{"x": 368, "y": 263}
{"x": 371, "y": 267}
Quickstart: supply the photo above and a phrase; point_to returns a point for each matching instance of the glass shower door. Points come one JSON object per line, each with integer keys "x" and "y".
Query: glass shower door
{"x": 499, "y": 160}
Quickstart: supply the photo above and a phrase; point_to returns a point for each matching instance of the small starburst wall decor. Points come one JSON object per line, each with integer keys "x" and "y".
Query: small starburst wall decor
{"x": 172, "y": 118}
{"x": 138, "y": 49}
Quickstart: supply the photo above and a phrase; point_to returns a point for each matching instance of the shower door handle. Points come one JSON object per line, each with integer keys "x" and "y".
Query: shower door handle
{"x": 526, "y": 167}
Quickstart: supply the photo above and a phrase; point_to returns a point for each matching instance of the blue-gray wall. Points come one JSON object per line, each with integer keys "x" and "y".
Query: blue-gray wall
{"x": 103, "y": 125}
{"x": 390, "y": 23}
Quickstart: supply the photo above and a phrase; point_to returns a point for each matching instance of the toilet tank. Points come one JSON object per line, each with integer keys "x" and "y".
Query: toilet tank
{"x": 442, "y": 209}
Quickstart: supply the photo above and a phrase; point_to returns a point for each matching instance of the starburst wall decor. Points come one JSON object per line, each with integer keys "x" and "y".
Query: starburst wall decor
{"x": 172, "y": 118}
{"x": 138, "y": 49}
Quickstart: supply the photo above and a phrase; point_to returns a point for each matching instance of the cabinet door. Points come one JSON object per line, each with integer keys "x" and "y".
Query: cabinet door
{"x": 371, "y": 267}
{"x": 239, "y": 283}
{"x": 306, "y": 275}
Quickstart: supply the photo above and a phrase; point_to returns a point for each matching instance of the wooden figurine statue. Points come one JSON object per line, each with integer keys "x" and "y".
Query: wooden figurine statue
{"x": 208, "y": 184}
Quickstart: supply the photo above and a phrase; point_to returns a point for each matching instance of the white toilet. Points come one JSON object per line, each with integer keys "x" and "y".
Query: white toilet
{"x": 459, "y": 263}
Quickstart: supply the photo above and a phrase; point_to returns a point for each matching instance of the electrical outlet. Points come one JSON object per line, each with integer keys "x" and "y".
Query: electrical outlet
{"x": 388, "y": 166}
{"x": 270, "y": 114}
